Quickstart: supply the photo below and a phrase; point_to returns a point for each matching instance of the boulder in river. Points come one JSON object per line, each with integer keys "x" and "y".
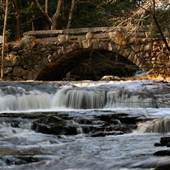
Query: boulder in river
{"x": 162, "y": 153}
{"x": 164, "y": 141}
{"x": 53, "y": 124}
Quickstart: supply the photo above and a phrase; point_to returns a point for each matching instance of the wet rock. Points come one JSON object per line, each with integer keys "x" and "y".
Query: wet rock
{"x": 163, "y": 167}
{"x": 106, "y": 133}
{"x": 53, "y": 125}
{"x": 120, "y": 122}
{"x": 158, "y": 144}
{"x": 10, "y": 160}
{"x": 69, "y": 124}
{"x": 164, "y": 141}
{"x": 110, "y": 77}
{"x": 110, "y": 124}
{"x": 162, "y": 153}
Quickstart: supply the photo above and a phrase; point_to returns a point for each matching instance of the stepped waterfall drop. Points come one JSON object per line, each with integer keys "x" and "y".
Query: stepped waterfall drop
{"x": 76, "y": 98}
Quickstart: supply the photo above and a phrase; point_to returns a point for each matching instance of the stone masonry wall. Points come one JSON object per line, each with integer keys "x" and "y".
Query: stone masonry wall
{"x": 26, "y": 59}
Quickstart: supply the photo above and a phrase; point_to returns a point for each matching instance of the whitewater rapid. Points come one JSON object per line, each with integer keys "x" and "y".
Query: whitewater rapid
{"x": 112, "y": 95}
{"x": 24, "y": 104}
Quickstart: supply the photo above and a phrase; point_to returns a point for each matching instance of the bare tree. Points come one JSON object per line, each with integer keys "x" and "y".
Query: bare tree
{"x": 4, "y": 37}
{"x": 43, "y": 11}
{"x": 56, "y": 15}
{"x": 52, "y": 20}
{"x": 158, "y": 25}
{"x": 71, "y": 14}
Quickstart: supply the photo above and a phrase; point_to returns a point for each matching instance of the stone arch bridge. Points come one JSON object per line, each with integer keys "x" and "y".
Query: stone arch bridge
{"x": 39, "y": 53}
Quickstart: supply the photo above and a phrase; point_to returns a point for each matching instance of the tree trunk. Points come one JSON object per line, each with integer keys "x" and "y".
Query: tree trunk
{"x": 71, "y": 14}
{"x": 56, "y": 15}
{"x": 17, "y": 15}
{"x": 159, "y": 27}
{"x": 3, "y": 41}
{"x": 52, "y": 20}
{"x": 46, "y": 6}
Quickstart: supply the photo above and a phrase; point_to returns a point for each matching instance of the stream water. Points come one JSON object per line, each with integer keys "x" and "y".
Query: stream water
{"x": 23, "y": 147}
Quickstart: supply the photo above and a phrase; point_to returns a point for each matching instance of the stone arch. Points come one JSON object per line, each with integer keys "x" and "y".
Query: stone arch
{"x": 30, "y": 59}
{"x": 68, "y": 61}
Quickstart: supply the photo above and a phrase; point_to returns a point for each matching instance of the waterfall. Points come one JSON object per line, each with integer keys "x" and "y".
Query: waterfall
{"x": 161, "y": 125}
{"x": 24, "y": 102}
{"x": 13, "y": 99}
{"x": 124, "y": 98}
{"x": 89, "y": 99}
{"x": 79, "y": 99}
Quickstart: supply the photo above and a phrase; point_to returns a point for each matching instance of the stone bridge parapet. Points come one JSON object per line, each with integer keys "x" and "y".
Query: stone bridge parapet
{"x": 38, "y": 49}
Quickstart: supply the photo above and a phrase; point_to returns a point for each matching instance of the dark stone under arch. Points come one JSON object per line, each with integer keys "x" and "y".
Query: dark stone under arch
{"x": 88, "y": 64}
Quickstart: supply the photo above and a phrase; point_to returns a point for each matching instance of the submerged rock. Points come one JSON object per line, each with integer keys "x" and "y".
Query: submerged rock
{"x": 164, "y": 141}
{"x": 162, "y": 153}
{"x": 10, "y": 160}
{"x": 163, "y": 167}
{"x": 52, "y": 124}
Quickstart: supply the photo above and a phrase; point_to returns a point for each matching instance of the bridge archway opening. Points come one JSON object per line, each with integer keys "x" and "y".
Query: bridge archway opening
{"x": 86, "y": 64}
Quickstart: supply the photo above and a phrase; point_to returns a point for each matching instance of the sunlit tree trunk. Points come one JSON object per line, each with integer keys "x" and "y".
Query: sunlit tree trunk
{"x": 46, "y": 6}
{"x": 71, "y": 14}
{"x": 4, "y": 37}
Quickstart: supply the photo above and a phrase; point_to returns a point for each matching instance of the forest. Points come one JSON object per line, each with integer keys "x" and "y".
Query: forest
{"x": 24, "y": 15}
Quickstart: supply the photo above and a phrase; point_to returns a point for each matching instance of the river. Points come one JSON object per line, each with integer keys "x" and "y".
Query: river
{"x": 83, "y": 125}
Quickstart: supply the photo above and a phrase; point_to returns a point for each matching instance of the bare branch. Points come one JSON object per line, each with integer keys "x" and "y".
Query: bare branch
{"x": 158, "y": 26}
{"x": 43, "y": 12}
{"x": 56, "y": 14}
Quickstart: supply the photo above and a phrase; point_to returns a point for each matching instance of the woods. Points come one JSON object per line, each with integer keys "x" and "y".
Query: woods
{"x": 42, "y": 15}
{"x": 132, "y": 15}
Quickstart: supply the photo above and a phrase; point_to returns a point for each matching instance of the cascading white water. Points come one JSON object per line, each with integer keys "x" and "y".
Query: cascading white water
{"x": 24, "y": 101}
{"x": 124, "y": 98}
{"x": 133, "y": 101}
{"x": 75, "y": 98}
{"x": 88, "y": 99}
{"x": 161, "y": 125}
{"x": 79, "y": 98}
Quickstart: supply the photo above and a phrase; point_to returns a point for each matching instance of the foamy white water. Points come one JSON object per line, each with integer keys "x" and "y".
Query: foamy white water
{"x": 138, "y": 94}
{"x": 23, "y": 148}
